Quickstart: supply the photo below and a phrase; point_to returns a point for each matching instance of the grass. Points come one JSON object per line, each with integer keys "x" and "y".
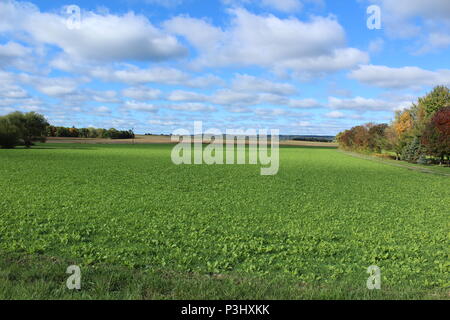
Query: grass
{"x": 142, "y": 228}
{"x": 428, "y": 168}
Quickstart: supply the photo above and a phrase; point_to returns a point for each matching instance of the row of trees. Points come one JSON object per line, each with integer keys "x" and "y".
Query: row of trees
{"x": 420, "y": 134}
{"x": 73, "y": 132}
{"x": 19, "y": 128}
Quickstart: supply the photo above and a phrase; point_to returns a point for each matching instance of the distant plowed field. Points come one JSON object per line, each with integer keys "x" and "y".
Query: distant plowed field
{"x": 142, "y": 139}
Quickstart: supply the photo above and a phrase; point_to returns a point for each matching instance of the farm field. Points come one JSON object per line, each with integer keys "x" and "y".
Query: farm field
{"x": 142, "y": 228}
{"x": 158, "y": 139}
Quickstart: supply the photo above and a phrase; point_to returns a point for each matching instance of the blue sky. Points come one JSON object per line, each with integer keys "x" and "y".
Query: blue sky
{"x": 300, "y": 66}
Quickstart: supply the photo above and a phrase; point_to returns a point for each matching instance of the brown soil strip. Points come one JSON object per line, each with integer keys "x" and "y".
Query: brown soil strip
{"x": 141, "y": 139}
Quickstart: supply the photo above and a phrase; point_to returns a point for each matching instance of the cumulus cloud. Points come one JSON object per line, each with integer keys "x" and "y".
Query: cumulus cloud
{"x": 314, "y": 46}
{"x": 142, "y": 93}
{"x": 102, "y": 109}
{"x": 180, "y": 95}
{"x": 101, "y": 37}
{"x": 428, "y": 21}
{"x": 229, "y": 97}
{"x": 192, "y": 107}
{"x": 233, "y": 98}
{"x": 199, "y": 32}
{"x": 405, "y": 9}
{"x": 304, "y": 103}
{"x": 161, "y": 75}
{"x": 434, "y": 42}
{"x": 400, "y": 78}
{"x": 162, "y": 122}
{"x": 139, "y": 106}
{"x": 269, "y": 112}
{"x": 239, "y": 100}
{"x": 51, "y": 86}
{"x": 12, "y": 50}
{"x": 335, "y": 115}
{"x": 14, "y": 54}
{"x": 13, "y": 92}
{"x": 365, "y": 104}
{"x": 280, "y": 5}
{"x": 247, "y": 83}
{"x": 108, "y": 96}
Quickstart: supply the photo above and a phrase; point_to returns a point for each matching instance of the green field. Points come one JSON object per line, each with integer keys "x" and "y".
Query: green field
{"x": 141, "y": 227}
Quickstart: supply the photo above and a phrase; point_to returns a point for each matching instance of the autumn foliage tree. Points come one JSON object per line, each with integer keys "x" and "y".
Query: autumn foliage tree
{"x": 419, "y": 134}
{"x": 436, "y": 137}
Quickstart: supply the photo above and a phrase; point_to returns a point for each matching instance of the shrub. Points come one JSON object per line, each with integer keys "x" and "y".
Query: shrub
{"x": 413, "y": 151}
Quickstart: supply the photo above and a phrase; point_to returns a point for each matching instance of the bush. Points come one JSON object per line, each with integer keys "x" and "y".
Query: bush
{"x": 413, "y": 151}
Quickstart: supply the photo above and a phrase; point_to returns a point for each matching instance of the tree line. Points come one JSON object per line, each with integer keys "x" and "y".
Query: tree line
{"x": 419, "y": 134}
{"x": 73, "y": 132}
{"x": 24, "y": 129}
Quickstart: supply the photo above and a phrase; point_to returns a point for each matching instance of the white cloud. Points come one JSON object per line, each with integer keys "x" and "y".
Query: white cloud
{"x": 280, "y": 5}
{"x": 108, "y": 96}
{"x": 13, "y": 50}
{"x": 13, "y": 92}
{"x": 315, "y": 46}
{"x": 304, "y": 103}
{"x": 161, "y": 75}
{"x": 138, "y": 106}
{"x": 238, "y": 101}
{"x": 192, "y": 107}
{"x": 434, "y": 42}
{"x": 142, "y": 93}
{"x": 197, "y": 31}
{"x": 405, "y": 9}
{"x": 54, "y": 87}
{"x": 303, "y": 124}
{"x": 335, "y": 115}
{"x": 180, "y": 95}
{"x": 13, "y": 54}
{"x": 101, "y": 37}
{"x": 102, "y": 109}
{"x": 162, "y": 123}
{"x": 136, "y": 75}
{"x": 376, "y": 46}
{"x": 269, "y": 112}
{"x": 365, "y": 104}
{"x": 229, "y": 97}
{"x": 400, "y": 78}
{"x": 248, "y": 83}
{"x": 417, "y": 19}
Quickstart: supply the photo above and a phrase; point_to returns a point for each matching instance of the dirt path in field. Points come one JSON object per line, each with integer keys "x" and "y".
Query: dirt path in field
{"x": 400, "y": 165}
